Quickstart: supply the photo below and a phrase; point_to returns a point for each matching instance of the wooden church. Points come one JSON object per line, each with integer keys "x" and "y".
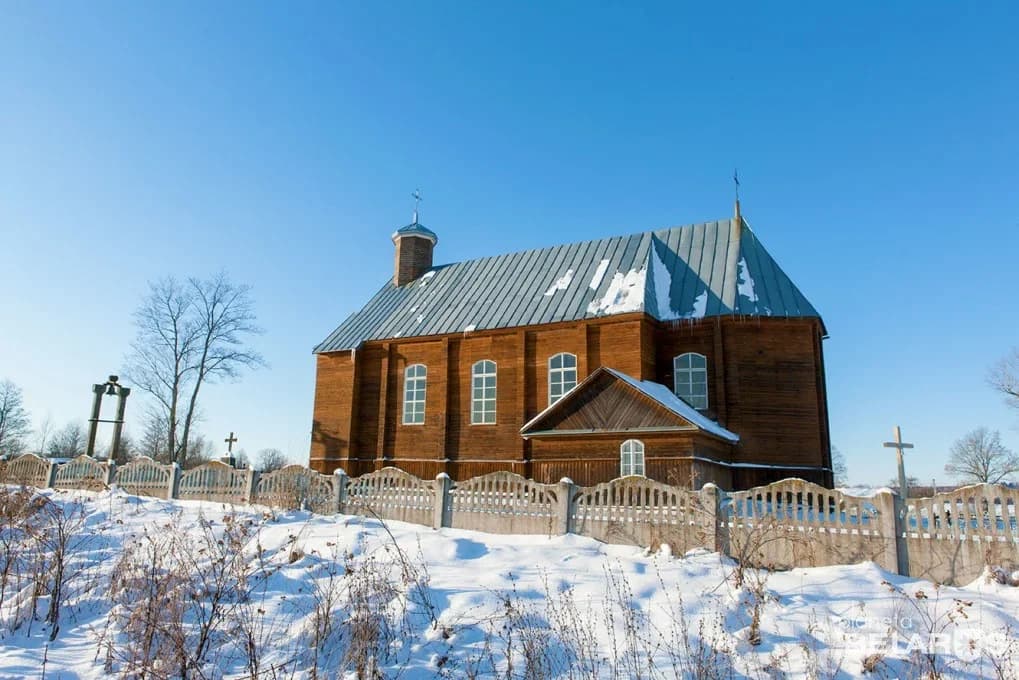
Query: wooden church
{"x": 684, "y": 354}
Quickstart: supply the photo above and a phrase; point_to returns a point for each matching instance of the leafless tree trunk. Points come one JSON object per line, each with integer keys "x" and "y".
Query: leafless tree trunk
{"x": 980, "y": 458}
{"x": 190, "y": 333}
{"x": 14, "y": 420}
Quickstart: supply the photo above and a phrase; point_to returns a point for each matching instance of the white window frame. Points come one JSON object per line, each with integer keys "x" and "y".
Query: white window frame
{"x": 415, "y": 388}
{"x": 631, "y": 458}
{"x": 483, "y": 407}
{"x": 557, "y": 376}
{"x": 684, "y": 377}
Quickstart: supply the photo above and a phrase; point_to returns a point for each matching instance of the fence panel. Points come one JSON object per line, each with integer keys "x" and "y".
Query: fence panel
{"x": 294, "y": 487}
{"x": 951, "y": 536}
{"x": 797, "y": 523}
{"x": 144, "y": 477}
{"x": 393, "y": 494}
{"x": 82, "y": 472}
{"x": 640, "y": 511}
{"x": 214, "y": 481}
{"x": 504, "y": 503}
{"x": 29, "y": 469}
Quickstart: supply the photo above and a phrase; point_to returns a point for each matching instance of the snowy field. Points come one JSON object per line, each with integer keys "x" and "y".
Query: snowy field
{"x": 154, "y": 588}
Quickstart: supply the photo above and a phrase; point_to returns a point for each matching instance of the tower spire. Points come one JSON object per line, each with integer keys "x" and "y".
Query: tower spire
{"x": 735, "y": 179}
{"x": 417, "y": 202}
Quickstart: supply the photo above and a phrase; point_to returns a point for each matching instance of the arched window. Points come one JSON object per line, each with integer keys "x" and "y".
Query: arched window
{"x": 483, "y": 393}
{"x": 562, "y": 376}
{"x": 691, "y": 379}
{"x": 414, "y": 381}
{"x": 631, "y": 458}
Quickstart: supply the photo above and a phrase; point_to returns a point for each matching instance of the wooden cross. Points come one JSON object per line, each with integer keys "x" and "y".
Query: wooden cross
{"x": 230, "y": 441}
{"x": 899, "y": 447}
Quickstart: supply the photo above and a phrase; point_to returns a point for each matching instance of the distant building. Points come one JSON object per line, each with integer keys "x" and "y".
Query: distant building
{"x": 684, "y": 354}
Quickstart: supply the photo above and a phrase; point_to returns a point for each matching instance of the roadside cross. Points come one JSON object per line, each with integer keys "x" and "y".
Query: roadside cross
{"x": 230, "y": 441}
{"x": 899, "y": 447}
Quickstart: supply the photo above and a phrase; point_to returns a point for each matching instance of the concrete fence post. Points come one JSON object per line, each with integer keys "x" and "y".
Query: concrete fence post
{"x": 887, "y": 506}
{"x": 111, "y": 472}
{"x": 173, "y": 485}
{"x": 715, "y": 523}
{"x": 901, "y": 529}
{"x": 442, "y": 515}
{"x": 339, "y": 489}
{"x": 250, "y": 484}
{"x": 51, "y": 475}
{"x": 564, "y": 507}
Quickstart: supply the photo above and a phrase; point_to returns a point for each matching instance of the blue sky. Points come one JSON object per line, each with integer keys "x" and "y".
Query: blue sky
{"x": 876, "y": 147}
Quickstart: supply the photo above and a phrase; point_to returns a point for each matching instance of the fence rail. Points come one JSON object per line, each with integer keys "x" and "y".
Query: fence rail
{"x": 949, "y": 537}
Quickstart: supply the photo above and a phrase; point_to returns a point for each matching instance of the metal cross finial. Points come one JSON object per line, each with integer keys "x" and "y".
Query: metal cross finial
{"x": 230, "y": 441}
{"x": 735, "y": 178}
{"x": 417, "y": 202}
{"x": 899, "y": 447}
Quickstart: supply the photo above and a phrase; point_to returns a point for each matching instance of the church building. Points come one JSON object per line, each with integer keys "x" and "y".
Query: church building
{"x": 684, "y": 354}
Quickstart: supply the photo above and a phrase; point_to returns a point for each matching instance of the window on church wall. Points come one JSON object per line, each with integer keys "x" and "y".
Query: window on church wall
{"x": 690, "y": 373}
{"x": 483, "y": 375}
{"x": 562, "y": 376}
{"x": 415, "y": 379}
{"x": 631, "y": 458}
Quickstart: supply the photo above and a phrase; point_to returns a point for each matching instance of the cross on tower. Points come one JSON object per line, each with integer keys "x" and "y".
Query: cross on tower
{"x": 417, "y": 202}
{"x": 230, "y": 441}
{"x": 899, "y": 447}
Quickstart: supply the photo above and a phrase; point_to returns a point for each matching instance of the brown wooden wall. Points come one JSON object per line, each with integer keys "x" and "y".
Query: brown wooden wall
{"x": 765, "y": 382}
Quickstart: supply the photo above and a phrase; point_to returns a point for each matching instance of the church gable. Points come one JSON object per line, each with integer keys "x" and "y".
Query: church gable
{"x": 606, "y": 402}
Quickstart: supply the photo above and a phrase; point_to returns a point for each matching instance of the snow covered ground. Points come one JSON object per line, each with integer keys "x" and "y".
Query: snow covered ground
{"x": 242, "y": 592}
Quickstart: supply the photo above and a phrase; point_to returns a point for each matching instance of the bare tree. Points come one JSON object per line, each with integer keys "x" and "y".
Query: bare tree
{"x": 980, "y": 458}
{"x": 189, "y": 334}
{"x": 839, "y": 469}
{"x": 153, "y": 440}
{"x": 270, "y": 460}
{"x": 1004, "y": 377}
{"x": 44, "y": 431}
{"x": 15, "y": 425}
{"x": 241, "y": 460}
{"x": 68, "y": 442}
{"x": 200, "y": 450}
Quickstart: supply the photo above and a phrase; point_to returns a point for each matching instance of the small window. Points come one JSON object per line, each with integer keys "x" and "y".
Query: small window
{"x": 691, "y": 379}
{"x": 562, "y": 376}
{"x": 631, "y": 458}
{"x": 483, "y": 393}
{"x": 414, "y": 381}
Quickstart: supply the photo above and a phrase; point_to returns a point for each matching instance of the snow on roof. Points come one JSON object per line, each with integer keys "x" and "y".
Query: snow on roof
{"x": 562, "y": 283}
{"x": 599, "y": 274}
{"x": 690, "y": 272}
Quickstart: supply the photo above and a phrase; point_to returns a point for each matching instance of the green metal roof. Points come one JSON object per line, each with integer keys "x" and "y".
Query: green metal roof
{"x": 689, "y": 272}
{"x": 416, "y": 229}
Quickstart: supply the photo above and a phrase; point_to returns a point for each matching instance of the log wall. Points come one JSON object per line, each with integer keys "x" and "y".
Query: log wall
{"x": 765, "y": 382}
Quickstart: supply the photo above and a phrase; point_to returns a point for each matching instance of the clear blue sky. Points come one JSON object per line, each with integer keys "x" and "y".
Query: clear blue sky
{"x": 877, "y": 149}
